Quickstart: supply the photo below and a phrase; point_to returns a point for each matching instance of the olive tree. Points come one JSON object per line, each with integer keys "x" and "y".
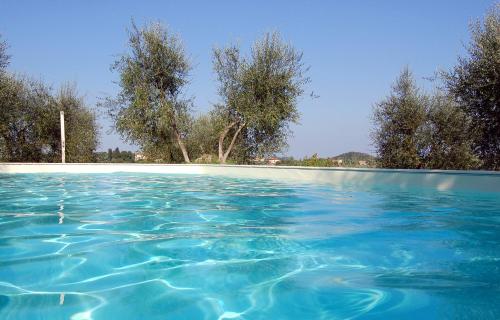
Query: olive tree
{"x": 149, "y": 110}
{"x": 398, "y": 121}
{"x": 4, "y": 57}
{"x": 203, "y": 136}
{"x": 447, "y": 136}
{"x": 259, "y": 95}
{"x": 417, "y": 130}
{"x": 475, "y": 84}
{"x": 23, "y": 105}
{"x": 30, "y": 126}
{"x": 82, "y": 132}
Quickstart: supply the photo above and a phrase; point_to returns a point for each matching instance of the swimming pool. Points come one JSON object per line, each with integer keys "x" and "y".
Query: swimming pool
{"x": 153, "y": 246}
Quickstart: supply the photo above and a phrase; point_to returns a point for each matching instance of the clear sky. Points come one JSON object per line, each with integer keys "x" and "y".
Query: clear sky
{"x": 355, "y": 50}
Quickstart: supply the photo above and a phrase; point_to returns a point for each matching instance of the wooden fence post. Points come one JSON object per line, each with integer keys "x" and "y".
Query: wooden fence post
{"x": 63, "y": 139}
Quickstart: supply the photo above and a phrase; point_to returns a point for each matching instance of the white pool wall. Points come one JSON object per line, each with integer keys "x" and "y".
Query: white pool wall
{"x": 438, "y": 179}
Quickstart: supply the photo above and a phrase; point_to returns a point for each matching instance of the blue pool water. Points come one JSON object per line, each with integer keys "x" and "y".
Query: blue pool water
{"x": 141, "y": 246}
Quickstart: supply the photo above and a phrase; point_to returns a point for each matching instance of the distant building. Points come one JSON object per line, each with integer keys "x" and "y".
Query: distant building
{"x": 139, "y": 156}
{"x": 337, "y": 162}
{"x": 362, "y": 163}
{"x": 270, "y": 161}
{"x": 273, "y": 161}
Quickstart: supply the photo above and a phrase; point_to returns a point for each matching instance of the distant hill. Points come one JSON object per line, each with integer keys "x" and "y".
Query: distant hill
{"x": 354, "y": 156}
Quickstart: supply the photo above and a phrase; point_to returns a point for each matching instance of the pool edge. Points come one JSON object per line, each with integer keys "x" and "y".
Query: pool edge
{"x": 402, "y": 178}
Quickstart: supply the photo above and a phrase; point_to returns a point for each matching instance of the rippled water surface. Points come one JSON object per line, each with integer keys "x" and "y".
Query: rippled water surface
{"x": 141, "y": 246}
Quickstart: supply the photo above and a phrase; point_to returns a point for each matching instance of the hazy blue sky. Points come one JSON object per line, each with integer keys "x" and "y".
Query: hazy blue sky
{"x": 355, "y": 49}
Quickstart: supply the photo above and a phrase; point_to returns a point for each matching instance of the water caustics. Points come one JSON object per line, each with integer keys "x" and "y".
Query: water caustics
{"x": 144, "y": 246}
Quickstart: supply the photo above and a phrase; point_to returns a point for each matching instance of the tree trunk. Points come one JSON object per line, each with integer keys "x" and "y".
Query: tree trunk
{"x": 231, "y": 145}
{"x": 221, "y": 140}
{"x": 178, "y": 137}
{"x": 8, "y": 149}
{"x": 181, "y": 145}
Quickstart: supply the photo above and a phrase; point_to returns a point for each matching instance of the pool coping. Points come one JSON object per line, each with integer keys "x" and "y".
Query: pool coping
{"x": 419, "y": 171}
{"x": 474, "y": 180}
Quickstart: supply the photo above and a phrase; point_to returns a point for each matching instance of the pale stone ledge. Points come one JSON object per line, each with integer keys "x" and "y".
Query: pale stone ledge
{"x": 437, "y": 179}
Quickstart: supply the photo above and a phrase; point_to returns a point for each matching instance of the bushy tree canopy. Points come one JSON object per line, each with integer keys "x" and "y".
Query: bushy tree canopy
{"x": 30, "y": 125}
{"x": 475, "y": 85}
{"x": 149, "y": 110}
{"x": 23, "y": 114}
{"x": 259, "y": 94}
{"x": 398, "y": 120}
{"x": 82, "y": 132}
{"x": 415, "y": 130}
{"x": 447, "y": 139}
{"x": 204, "y": 135}
{"x": 4, "y": 56}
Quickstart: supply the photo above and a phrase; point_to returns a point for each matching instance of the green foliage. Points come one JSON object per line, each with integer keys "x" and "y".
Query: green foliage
{"x": 315, "y": 161}
{"x": 413, "y": 130}
{"x": 352, "y": 159}
{"x": 398, "y": 120}
{"x": 259, "y": 95}
{"x": 115, "y": 156}
{"x": 475, "y": 85}
{"x": 149, "y": 110}
{"x": 447, "y": 139}
{"x": 349, "y": 159}
{"x": 203, "y": 135}
{"x": 30, "y": 126}
{"x": 354, "y": 156}
{"x": 82, "y": 135}
{"x": 4, "y": 57}
{"x": 456, "y": 129}
{"x": 23, "y": 103}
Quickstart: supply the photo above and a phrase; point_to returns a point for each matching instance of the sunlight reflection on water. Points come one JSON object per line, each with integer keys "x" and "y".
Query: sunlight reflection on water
{"x": 161, "y": 246}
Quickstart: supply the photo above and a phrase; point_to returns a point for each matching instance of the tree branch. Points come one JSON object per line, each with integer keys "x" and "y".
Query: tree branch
{"x": 222, "y": 137}
{"x": 233, "y": 141}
